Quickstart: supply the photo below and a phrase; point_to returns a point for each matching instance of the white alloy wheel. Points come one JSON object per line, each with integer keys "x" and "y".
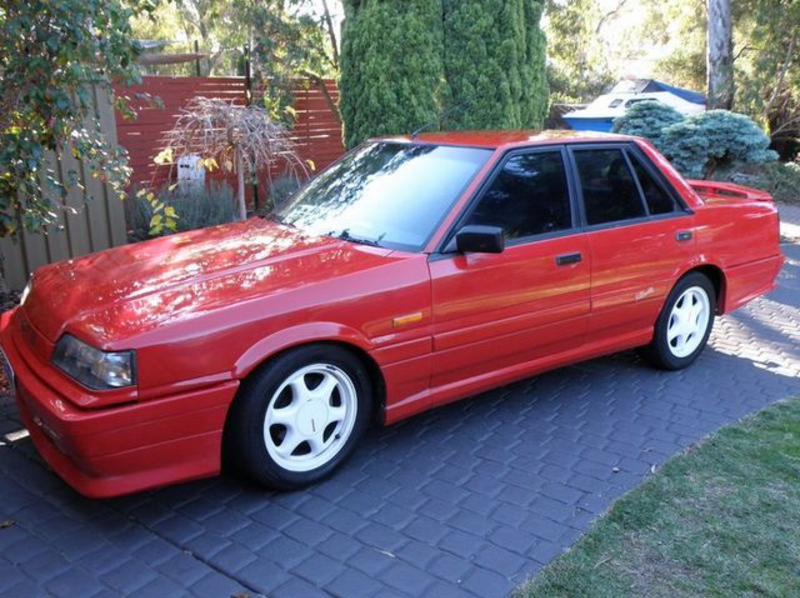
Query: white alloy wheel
{"x": 310, "y": 417}
{"x": 688, "y": 321}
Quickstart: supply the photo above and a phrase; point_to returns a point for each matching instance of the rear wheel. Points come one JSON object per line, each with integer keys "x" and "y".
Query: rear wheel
{"x": 684, "y": 325}
{"x": 298, "y": 418}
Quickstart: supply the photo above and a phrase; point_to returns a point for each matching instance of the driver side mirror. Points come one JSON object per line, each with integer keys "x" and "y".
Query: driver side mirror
{"x": 475, "y": 238}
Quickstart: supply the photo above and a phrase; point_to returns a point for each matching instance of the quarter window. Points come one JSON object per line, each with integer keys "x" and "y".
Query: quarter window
{"x": 609, "y": 190}
{"x": 529, "y": 197}
{"x": 658, "y": 200}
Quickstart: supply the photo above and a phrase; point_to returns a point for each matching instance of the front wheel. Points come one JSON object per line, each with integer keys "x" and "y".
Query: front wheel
{"x": 684, "y": 325}
{"x": 298, "y": 418}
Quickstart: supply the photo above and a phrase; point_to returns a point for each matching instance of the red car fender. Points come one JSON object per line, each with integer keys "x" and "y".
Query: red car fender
{"x": 294, "y": 336}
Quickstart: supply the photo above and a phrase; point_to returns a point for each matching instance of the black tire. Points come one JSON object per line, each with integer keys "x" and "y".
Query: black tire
{"x": 245, "y": 447}
{"x": 659, "y": 352}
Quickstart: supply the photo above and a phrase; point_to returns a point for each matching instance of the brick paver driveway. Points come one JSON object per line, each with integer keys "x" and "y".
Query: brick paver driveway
{"x": 465, "y": 501}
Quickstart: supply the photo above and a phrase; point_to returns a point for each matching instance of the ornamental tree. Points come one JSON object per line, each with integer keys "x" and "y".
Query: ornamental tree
{"x": 702, "y": 142}
{"x": 648, "y": 119}
{"x": 240, "y": 139}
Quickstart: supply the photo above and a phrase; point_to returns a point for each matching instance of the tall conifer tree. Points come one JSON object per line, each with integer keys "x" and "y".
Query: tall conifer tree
{"x": 406, "y": 63}
{"x": 391, "y": 66}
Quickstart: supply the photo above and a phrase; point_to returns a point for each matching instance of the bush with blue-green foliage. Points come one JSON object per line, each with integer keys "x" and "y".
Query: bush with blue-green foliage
{"x": 698, "y": 144}
{"x": 703, "y": 142}
{"x": 648, "y": 119}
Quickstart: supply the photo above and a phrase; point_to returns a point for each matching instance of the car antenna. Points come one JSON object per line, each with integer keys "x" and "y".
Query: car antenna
{"x": 439, "y": 120}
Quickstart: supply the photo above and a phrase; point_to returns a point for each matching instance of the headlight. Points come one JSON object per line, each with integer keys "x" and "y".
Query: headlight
{"x": 92, "y": 367}
{"x": 26, "y": 291}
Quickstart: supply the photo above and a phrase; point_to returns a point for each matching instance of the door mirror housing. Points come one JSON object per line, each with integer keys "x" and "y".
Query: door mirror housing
{"x": 475, "y": 238}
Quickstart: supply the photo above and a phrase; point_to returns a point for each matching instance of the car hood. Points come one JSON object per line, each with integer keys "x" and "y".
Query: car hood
{"x": 115, "y": 294}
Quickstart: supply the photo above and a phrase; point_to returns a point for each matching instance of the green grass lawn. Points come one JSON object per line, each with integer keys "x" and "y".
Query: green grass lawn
{"x": 720, "y": 520}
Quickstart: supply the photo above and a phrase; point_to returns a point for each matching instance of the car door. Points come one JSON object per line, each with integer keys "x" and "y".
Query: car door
{"x": 495, "y": 311}
{"x": 640, "y": 236}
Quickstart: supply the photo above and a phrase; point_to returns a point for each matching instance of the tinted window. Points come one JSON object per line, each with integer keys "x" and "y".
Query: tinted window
{"x": 658, "y": 200}
{"x": 388, "y": 194}
{"x": 609, "y": 191}
{"x": 529, "y": 197}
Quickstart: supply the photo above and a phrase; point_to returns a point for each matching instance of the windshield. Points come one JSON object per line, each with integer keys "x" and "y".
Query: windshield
{"x": 388, "y": 194}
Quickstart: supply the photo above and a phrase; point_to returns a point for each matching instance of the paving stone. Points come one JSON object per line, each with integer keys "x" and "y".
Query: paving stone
{"x": 354, "y": 584}
{"x": 464, "y": 501}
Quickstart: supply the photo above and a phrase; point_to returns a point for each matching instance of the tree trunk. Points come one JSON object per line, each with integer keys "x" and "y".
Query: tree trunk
{"x": 331, "y": 34}
{"x": 719, "y": 55}
{"x": 240, "y": 184}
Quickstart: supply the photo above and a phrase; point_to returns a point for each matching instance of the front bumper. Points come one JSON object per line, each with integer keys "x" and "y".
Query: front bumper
{"x": 121, "y": 449}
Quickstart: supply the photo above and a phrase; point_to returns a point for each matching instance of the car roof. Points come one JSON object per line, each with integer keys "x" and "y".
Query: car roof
{"x": 507, "y": 139}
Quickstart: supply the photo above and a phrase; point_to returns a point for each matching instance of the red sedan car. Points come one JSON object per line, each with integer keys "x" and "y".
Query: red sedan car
{"x": 413, "y": 272}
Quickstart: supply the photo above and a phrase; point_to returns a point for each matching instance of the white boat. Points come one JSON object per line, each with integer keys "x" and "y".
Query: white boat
{"x": 600, "y": 114}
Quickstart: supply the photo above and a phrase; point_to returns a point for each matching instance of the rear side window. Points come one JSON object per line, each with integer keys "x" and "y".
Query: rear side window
{"x": 658, "y": 200}
{"x": 529, "y": 197}
{"x": 609, "y": 190}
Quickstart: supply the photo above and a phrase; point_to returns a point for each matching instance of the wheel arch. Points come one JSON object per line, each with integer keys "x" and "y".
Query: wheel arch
{"x": 269, "y": 348}
{"x": 717, "y": 277}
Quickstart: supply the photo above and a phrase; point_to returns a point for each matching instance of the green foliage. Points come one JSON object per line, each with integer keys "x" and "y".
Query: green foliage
{"x": 286, "y": 45}
{"x": 494, "y": 64}
{"x": 781, "y": 180}
{"x": 648, "y": 120}
{"x": 405, "y": 62}
{"x": 768, "y": 69}
{"x": 391, "y": 66}
{"x": 578, "y": 66}
{"x": 702, "y": 142}
{"x": 51, "y": 53}
{"x": 179, "y": 209}
{"x": 719, "y": 520}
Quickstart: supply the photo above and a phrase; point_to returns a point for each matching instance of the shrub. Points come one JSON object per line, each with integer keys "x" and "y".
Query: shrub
{"x": 648, "y": 119}
{"x": 282, "y": 188}
{"x": 196, "y": 207}
{"x": 781, "y": 180}
{"x": 702, "y": 142}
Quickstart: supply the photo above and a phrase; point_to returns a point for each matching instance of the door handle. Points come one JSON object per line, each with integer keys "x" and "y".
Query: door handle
{"x": 683, "y": 235}
{"x": 566, "y": 259}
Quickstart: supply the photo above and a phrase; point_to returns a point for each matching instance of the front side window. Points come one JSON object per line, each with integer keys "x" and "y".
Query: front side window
{"x": 388, "y": 194}
{"x": 609, "y": 190}
{"x": 529, "y": 197}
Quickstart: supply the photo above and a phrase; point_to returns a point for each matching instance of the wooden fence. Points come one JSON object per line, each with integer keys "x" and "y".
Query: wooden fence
{"x": 95, "y": 220}
{"x": 317, "y": 131}
{"x": 99, "y": 223}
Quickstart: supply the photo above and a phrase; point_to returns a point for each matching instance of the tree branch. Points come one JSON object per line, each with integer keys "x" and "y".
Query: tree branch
{"x": 320, "y": 83}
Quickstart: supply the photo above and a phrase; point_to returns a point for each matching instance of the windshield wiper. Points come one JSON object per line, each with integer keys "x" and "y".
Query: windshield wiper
{"x": 346, "y": 236}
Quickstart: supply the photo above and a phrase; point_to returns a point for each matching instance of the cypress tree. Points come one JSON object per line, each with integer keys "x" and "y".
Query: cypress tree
{"x": 406, "y": 61}
{"x": 391, "y": 66}
{"x": 494, "y": 64}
